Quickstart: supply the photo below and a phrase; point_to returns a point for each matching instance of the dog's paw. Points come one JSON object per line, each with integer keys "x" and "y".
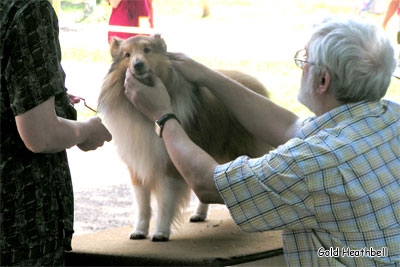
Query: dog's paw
{"x": 136, "y": 235}
{"x": 160, "y": 237}
{"x": 198, "y": 217}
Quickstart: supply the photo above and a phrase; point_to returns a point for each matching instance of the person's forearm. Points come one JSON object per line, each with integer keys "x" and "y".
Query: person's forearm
{"x": 66, "y": 135}
{"x": 44, "y": 132}
{"x": 195, "y": 165}
{"x": 60, "y": 136}
{"x": 266, "y": 120}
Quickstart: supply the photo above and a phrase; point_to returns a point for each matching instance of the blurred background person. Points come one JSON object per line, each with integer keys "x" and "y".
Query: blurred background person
{"x": 206, "y": 5}
{"x": 394, "y": 6}
{"x": 138, "y": 13}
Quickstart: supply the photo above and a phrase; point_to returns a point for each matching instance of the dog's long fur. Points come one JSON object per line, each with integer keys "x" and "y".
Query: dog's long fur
{"x": 205, "y": 119}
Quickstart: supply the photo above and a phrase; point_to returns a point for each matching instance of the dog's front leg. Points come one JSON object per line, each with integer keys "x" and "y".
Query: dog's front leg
{"x": 142, "y": 194}
{"x": 172, "y": 196}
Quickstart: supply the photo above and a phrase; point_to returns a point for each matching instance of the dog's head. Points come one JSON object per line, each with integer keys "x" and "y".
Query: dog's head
{"x": 143, "y": 55}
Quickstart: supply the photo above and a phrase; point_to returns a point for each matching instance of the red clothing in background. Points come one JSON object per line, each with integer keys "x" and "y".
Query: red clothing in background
{"x": 127, "y": 13}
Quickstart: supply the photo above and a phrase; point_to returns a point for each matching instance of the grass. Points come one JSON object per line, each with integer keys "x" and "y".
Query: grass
{"x": 279, "y": 74}
{"x": 74, "y": 10}
{"x": 86, "y": 55}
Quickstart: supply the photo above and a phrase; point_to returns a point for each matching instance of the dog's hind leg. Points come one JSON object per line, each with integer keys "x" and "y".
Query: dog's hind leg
{"x": 172, "y": 196}
{"x": 201, "y": 213}
{"x": 142, "y": 195}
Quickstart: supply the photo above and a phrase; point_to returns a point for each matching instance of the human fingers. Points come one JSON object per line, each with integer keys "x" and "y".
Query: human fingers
{"x": 176, "y": 56}
{"x": 100, "y": 132}
{"x": 74, "y": 99}
{"x": 191, "y": 69}
{"x": 103, "y": 131}
{"x": 131, "y": 82}
{"x": 130, "y": 85}
{"x": 129, "y": 78}
{"x": 133, "y": 86}
{"x": 107, "y": 134}
{"x": 157, "y": 81}
{"x": 150, "y": 100}
{"x": 184, "y": 64}
{"x": 98, "y": 135}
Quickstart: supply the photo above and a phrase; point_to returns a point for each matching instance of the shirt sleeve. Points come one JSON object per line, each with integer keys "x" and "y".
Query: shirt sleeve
{"x": 297, "y": 126}
{"x": 266, "y": 193}
{"x": 33, "y": 73}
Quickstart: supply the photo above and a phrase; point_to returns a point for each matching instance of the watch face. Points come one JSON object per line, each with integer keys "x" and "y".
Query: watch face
{"x": 157, "y": 128}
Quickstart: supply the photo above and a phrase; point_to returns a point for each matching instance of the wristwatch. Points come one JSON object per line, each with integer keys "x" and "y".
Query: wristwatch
{"x": 159, "y": 124}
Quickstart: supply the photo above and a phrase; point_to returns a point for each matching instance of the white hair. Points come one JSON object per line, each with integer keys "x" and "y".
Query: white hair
{"x": 358, "y": 56}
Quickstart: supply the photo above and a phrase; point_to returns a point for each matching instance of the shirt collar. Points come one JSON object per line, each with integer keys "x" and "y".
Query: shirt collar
{"x": 342, "y": 113}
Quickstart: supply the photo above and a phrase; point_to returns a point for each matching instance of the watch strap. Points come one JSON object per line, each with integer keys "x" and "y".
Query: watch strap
{"x": 159, "y": 124}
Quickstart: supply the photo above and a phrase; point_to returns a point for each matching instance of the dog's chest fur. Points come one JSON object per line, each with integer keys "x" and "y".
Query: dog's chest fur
{"x": 133, "y": 134}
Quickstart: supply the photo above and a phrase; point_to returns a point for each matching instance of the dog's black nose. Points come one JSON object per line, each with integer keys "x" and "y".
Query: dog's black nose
{"x": 138, "y": 65}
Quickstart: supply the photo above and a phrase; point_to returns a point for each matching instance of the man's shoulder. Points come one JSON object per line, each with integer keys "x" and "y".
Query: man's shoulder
{"x": 343, "y": 137}
{"x": 349, "y": 117}
{"x": 393, "y": 107}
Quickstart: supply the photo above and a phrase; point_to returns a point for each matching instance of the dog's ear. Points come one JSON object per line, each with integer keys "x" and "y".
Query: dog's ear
{"x": 160, "y": 42}
{"x": 114, "y": 46}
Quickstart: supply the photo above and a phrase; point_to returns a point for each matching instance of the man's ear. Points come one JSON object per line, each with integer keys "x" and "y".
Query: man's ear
{"x": 115, "y": 45}
{"x": 160, "y": 42}
{"x": 324, "y": 82}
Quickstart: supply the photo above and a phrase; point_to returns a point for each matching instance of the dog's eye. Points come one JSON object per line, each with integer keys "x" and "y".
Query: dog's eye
{"x": 146, "y": 50}
{"x": 127, "y": 55}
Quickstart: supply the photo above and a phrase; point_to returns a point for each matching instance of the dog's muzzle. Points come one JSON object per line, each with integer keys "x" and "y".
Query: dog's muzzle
{"x": 138, "y": 66}
{"x": 141, "y": 73}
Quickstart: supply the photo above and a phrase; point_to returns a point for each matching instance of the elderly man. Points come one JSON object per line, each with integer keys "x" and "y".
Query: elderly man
{"x": 333, "y": 182}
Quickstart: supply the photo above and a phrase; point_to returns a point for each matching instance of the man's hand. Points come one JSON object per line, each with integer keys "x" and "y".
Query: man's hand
{"x": 192, "y": 70}
{"x": 98, "y": 135}
{"x": 152, "y": 101}
{"x": 256, "y": 113}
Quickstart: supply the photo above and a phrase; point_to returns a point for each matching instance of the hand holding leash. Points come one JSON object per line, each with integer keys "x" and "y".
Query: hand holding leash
{"x": 152, "y": 101}
{"x": 74, "y": 99}
{"x": 97, "y": 135}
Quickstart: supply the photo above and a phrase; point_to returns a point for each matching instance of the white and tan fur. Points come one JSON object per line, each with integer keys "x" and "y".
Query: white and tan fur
{"x": 206, "y": 120}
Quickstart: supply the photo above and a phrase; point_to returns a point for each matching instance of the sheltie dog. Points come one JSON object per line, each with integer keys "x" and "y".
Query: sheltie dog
{"x": 205, "y": 119}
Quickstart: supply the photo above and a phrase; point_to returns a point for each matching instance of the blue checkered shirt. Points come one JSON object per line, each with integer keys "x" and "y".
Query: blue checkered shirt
{"x": 335, "y": 187}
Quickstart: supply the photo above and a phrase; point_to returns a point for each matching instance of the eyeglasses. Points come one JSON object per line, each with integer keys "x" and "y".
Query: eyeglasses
{"x": 300, "y": 58}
